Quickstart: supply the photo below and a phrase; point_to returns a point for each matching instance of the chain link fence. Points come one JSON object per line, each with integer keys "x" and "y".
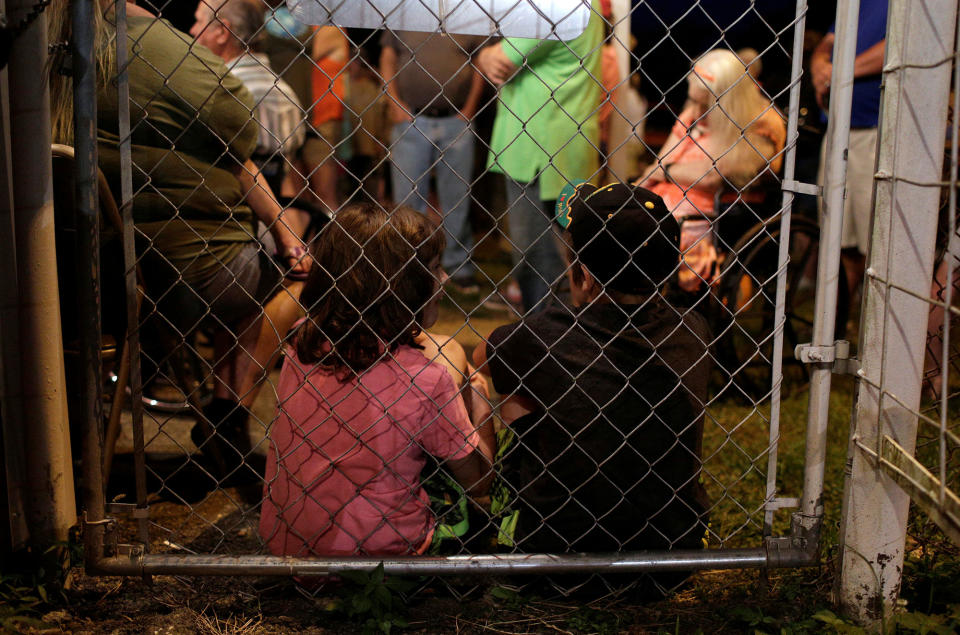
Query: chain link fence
{"x": 263, "y": 168}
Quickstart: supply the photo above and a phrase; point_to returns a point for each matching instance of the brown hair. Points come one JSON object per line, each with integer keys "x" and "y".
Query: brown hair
{"x": 370, "y": 282}
{"x": 59, "y": 35}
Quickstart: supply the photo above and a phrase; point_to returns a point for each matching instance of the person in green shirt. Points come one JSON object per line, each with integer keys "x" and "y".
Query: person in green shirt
{"x": 546, "y": 134}
{"x": 197, "y": 200}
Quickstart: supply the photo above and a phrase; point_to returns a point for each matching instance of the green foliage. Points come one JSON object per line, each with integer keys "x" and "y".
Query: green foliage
{"x": 931, "y": 569}
{"x": 508, "y": 598}
{"x": 905, "y": 623}
{"x": 590, "y": 620}
{"x": 31, "y": 582}
{"x": 373, "y": 600}
{"x": 839, "y": 624}
{"x": 755, "y": 621}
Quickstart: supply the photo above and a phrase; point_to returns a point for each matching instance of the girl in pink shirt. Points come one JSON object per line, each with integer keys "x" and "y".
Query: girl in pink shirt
{"x": 360, "y": 403}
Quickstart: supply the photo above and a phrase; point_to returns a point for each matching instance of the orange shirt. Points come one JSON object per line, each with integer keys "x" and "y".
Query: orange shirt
{"x": 328, "y": 91}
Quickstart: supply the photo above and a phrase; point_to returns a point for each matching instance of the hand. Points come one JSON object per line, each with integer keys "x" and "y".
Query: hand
{"x": 650, "y": 176}
{"x": 821, "y": 70}
{"x": 494, "y": 64}
{"x": 299, "y": 261}
{"x": 399, "y": 113}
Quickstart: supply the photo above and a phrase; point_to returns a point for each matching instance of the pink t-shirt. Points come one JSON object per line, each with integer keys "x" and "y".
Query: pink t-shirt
{"x": 343, "y": 470}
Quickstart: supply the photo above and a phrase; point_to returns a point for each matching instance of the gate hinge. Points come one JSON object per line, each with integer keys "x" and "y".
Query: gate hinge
{"x": 782, "y": 503}
{"x": 789, "y": 185}
{"x": 837, "y": 354}
{"x": 132, "y": 551}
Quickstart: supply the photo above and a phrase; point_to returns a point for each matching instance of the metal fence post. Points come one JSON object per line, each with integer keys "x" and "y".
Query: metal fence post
{"x": 920, "y": 48}
{"x": 88, "y": 267}
{"x": 838, "y": 136}
{"x": 48, "y": 488}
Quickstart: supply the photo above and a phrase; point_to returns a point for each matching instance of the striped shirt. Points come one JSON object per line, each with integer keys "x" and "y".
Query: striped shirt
{"x": 276, "y": 107}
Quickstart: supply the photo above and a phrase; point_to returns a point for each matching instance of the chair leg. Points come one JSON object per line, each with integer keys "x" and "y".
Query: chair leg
{"x": 116, "y": 408}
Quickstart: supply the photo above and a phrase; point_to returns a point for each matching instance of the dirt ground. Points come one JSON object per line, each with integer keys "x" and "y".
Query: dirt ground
{"x": 715, "y": 602}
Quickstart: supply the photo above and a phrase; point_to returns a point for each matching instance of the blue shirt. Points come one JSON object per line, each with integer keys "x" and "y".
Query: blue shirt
{"x": 871, "y": 28}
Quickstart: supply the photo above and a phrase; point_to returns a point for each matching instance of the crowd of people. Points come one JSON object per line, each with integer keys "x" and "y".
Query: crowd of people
{"x": 240, "y": 132}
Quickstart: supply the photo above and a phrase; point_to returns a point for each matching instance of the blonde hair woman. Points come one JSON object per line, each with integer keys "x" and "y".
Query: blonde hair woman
{"x": 727, "y": 133}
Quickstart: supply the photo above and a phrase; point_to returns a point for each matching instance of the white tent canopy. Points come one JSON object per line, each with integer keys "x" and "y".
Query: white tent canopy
{"x": 538, "y": 19}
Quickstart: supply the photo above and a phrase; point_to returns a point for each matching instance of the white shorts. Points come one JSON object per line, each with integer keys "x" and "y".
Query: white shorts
{"x": 857, "y": 208}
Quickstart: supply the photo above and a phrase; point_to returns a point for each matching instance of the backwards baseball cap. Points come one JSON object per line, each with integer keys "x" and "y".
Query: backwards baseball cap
{"x": 623, "y": 234}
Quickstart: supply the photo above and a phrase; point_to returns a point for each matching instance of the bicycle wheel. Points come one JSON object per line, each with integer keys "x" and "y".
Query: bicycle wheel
{"x": 747, "y": 297}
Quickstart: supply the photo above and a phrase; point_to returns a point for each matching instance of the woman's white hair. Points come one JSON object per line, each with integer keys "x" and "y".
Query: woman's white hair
{"x": 739, "y": 103}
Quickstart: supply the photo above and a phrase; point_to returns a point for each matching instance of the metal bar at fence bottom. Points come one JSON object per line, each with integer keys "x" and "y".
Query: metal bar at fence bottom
{"x": 138, "y": 563}
{"x": 783, "y": 259}
{"x": 828, "y": 267}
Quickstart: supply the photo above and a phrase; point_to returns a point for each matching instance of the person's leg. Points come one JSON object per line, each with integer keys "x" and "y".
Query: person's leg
{"x": 537, "y": 260}
{"x": 410, "y": 163}
{"x": 250, "y": 310}
{"x": 857, "y": 207}
{"x": 932, "y": 375}
{"x": 320, "y": 161}
{"x": 260, "y": 345}
{"x": 454, "y": 170}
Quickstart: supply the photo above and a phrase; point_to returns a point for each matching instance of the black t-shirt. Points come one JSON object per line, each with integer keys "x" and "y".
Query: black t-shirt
{"x": 610, "y": 458}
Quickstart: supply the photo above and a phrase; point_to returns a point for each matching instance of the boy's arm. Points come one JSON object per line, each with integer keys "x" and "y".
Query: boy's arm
{"x": 512, "y": 407}
{"x": 480, "y": 358}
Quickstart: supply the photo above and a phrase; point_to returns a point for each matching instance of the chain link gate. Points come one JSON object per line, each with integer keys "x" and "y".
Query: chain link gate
{"x": 193, "y": 171}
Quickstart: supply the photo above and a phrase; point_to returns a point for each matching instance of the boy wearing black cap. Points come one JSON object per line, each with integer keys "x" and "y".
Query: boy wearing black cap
{"x": 610, "y": 394}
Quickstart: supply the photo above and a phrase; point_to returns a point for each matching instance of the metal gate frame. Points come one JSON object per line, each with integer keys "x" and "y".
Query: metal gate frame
{"x": 105, "y": 555}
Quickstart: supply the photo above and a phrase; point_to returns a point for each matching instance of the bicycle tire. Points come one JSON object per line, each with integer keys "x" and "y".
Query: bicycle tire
{"x": 747, "y": 301}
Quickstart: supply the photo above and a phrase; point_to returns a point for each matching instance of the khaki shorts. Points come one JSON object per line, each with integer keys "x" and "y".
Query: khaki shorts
{"x": 857, "y": 208}
{"x": 320, "y": 144}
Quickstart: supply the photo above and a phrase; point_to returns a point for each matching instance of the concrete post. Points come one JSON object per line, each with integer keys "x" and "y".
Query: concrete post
{"x": 920, "y": 46}
{"x": 47, "y": 491}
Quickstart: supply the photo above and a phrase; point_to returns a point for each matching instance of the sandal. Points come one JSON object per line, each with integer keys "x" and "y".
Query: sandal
{"x": 288, "y": 260}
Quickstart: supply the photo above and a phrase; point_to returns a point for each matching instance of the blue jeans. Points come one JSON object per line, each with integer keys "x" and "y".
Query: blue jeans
{"x": 533, "y": 232}
{"x": 443, "y": 144}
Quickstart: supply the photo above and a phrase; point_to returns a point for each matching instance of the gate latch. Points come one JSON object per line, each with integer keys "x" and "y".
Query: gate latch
{"x": 837, "y": 354}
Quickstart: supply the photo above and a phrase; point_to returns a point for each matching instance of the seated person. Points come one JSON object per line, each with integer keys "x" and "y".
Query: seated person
{"x": 197, "y": 199}
{"x": 362, "y": 401}
{"x": 606, "y": 400}
{"x": 232, "y": 29}
{"x": 727, "y": 133}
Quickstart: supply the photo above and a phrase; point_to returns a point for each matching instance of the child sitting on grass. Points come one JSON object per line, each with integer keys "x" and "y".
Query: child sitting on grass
{"x": 607, "y": 398}
{"x": 361, "y": 404}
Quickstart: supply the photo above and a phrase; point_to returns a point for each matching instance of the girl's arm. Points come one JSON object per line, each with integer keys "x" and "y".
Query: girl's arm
{"x": 329, "y": 41}
{"x": 474, "y": 473}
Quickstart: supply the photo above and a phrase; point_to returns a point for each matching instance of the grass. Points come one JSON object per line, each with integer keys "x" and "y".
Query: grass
{"x": 735, "y": 450}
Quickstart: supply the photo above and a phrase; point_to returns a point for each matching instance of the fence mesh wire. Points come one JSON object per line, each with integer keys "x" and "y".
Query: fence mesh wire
{"x": 255, "y": 136}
